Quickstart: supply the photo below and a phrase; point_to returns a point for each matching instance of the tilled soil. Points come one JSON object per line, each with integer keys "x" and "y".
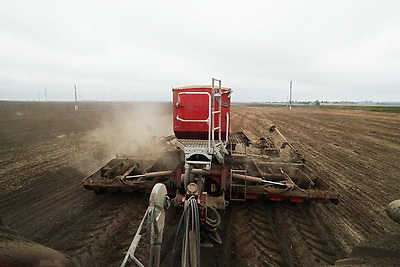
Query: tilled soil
{"x": 48, "y": 148}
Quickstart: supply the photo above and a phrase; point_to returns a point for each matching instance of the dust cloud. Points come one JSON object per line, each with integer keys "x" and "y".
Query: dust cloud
{"x": 134, "y": 130}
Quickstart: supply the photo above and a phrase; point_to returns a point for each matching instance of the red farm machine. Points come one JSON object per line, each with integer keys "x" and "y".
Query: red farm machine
{"x": 204, "y": 167}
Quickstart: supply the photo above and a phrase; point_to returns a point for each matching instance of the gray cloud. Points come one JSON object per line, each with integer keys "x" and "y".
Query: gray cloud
{"x": 332, "y": 50}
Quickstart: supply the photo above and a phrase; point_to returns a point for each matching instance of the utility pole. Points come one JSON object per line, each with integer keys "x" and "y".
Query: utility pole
{"x": 38, "y": 96}
{"x": 290, "y": 101}
{"x": 45, "y": 93}
{"x": 76, "y": 99}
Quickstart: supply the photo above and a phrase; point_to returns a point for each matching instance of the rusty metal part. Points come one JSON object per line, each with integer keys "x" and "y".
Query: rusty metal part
{"x": 150, "y": 174}
{"x": 276, "y": 177}
{"x": 257, "y": 179}
{"x": 286, "y": 142}
{"x": 287, "y": 177}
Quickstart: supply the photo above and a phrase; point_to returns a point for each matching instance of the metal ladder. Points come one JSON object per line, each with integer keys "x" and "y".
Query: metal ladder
{"x": 220, "y": 146}
{"x": 232, "y": 185}
{"x": 216, "y": 109}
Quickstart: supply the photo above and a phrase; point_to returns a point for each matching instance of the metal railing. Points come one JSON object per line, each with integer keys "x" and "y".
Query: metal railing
{"x": 213, "y": 109}
{"x": 216, "y": 93}
{"x": 209, "y": 118}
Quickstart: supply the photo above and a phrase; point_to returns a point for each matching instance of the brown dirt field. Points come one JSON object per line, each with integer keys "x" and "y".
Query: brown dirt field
{"x": 46, "y": 149}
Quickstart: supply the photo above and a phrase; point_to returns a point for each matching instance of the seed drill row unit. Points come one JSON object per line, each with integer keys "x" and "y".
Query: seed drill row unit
{"x": 204, "y": 167}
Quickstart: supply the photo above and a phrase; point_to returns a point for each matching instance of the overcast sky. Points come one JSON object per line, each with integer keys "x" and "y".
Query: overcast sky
{"x": 120, "y": 50}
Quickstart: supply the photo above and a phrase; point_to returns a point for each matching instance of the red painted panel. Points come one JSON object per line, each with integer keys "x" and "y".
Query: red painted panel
{"x": 196, "y": 107}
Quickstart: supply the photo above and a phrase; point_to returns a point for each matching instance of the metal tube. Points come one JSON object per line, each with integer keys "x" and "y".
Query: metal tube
{"x": 151, "y": 174}
{"x": 203, "y": 172}
{"x": 212, "y": 114}
{"x": 199, "y": 171}
{"x": 157, "y": 174}
{"x": 227, "y": 127}
{"x": 220, "y": 114}
{"x": 210, "y": 119}
{"x": 209, "y": 113}
{"x": 183, "y": 120}
{"x": 255, "y": 179}
{"x": 247, "y": 178}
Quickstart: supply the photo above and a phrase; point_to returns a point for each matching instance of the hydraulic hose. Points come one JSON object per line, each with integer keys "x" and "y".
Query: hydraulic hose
{"x": 214, "y": 220}
{"x": 191, "y": 235}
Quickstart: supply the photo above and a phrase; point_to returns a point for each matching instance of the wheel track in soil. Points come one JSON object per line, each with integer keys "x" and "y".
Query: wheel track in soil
{"x": 280, "y": 234}
{"x": 253, "y": 237}
{"x": 306, "y": 245}
{"x": 352, "y": 174}
{"x": 96, "y": 232}
{"x": 350, "y": 162}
